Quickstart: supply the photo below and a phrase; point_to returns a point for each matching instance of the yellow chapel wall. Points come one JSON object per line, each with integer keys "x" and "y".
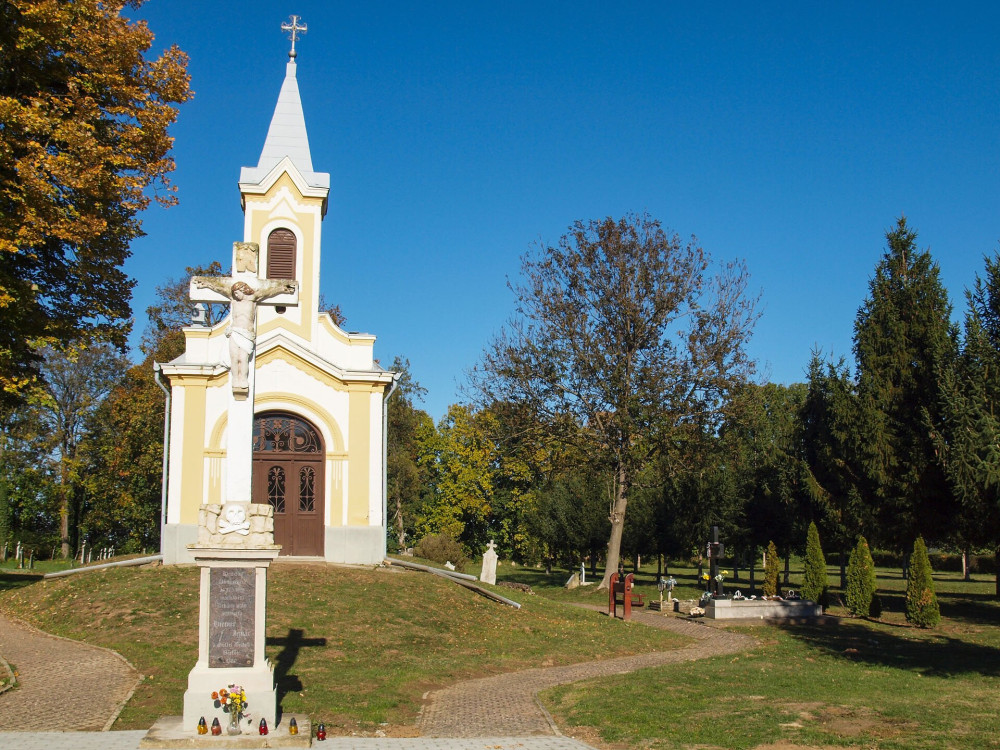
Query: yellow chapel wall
{"x": 283, "y": 205}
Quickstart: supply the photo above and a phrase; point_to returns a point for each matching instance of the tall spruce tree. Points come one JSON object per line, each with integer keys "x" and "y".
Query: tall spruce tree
{"x": 902, "y": 337}
{"x": 829, "y": 438}
{"x": 969, "y": 434}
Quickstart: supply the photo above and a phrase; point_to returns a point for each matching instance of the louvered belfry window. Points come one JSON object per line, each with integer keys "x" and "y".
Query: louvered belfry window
{"x": 281, "y": 254}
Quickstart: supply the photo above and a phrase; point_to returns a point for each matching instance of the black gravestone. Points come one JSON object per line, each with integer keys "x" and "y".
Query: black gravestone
{"x": 232, "y": 601}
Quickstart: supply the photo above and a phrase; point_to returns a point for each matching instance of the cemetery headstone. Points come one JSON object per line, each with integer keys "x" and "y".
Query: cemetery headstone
{"x": 489, "y": 572}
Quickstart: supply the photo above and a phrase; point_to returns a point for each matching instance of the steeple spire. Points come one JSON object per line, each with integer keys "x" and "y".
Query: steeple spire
{"x": 286, "y": 136}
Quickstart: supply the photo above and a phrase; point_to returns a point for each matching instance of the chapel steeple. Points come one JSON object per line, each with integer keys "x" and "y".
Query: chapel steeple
{"x": 286, "y": 136}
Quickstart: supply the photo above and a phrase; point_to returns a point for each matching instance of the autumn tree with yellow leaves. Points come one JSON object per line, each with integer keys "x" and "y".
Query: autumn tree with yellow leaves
{"x": 84, "y": 148}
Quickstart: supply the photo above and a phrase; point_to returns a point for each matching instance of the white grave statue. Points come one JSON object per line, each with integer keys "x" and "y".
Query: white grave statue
{"x": 489, "y": 572}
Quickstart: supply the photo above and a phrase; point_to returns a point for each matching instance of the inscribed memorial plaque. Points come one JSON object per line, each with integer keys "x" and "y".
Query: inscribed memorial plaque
{"x": 231, "y": 617}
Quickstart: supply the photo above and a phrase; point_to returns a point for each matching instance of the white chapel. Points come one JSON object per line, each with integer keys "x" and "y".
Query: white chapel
{"x": 320, "y": 396}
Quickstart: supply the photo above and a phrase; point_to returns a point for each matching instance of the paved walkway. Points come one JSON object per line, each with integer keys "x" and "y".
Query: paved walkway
{"x": 130, "y": 741}
{"x": 507, "y": 704}
{"x": 492, "y": 713}
{"x": 87, "y": 685}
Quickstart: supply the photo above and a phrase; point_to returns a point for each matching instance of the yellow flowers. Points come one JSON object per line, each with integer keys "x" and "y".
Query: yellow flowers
{"x": 232, "y": 700}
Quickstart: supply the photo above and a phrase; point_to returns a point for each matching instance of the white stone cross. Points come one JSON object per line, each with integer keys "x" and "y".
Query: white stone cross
{"x": 244, "y": 291}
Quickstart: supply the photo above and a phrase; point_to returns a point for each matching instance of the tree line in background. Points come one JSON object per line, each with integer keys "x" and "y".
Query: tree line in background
{"x": 906, "y": 445}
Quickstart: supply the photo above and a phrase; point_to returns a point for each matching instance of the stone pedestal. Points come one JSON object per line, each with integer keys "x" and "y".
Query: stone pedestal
{"x": 762, "y": 609}
{"x": 233, "y": 615}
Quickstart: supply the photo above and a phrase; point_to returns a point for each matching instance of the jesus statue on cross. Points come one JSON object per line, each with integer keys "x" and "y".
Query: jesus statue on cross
{"x": 243, "y": 297}
{"x": 244, "y": 291}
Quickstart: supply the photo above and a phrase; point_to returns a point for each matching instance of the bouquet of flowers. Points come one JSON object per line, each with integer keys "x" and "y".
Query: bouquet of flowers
{"x": 232, "y": 700}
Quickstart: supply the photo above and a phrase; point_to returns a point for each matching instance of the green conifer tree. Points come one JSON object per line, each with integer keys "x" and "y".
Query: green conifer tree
{"x": 772, "y": 567}
{"x": 903, "y": 334}
{"x": 860, "y": 580}
{"x": 921, "y": 603}
{"x": 970, "y": 429}
{"x": 814, "y": 580}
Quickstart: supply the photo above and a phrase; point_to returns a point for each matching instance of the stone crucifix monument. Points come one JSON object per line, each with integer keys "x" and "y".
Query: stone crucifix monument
{"x": 235, "y": 543}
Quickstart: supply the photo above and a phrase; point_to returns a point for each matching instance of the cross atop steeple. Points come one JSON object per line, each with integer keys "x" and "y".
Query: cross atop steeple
{"x": 294, "y": 29}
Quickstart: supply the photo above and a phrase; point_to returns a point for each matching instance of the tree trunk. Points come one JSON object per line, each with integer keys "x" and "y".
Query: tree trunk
{"x": 788, "y": 558}
{"x": 996, "y": 571}
{"x": 400, "y": 528}
{"x": 63, "y": 511}
{"x": 966, "y": 571}
{"x": 617, "y": 525}
{"x": 843, "y": 570}
{"x": 753, "y": 566}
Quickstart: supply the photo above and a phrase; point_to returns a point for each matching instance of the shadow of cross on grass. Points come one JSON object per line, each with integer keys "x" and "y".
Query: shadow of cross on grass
{"x": 291, "y": 643}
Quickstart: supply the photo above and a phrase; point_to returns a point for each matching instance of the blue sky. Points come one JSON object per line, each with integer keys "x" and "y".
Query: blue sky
{"x": 457, "y": 135}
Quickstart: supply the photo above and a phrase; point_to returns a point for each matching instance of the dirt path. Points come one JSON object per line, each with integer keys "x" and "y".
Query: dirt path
{"x": 84, "y": 685}
{"x": 507, "y": 704}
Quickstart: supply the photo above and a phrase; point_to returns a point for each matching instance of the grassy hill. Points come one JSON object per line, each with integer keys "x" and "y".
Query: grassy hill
{"x": 353, "y": 647}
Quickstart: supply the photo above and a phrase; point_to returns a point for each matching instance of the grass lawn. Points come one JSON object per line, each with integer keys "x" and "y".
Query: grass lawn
{"x": 353, "y": 647}
{"x": 849, "y": 683}
{"x": 357, "y": 648}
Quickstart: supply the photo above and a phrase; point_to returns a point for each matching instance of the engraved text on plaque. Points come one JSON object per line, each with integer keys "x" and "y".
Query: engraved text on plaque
{"x": 231, "y": 617}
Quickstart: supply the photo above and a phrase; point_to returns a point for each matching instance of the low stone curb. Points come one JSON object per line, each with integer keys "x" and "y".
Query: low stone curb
{"x": 10, "y": 674}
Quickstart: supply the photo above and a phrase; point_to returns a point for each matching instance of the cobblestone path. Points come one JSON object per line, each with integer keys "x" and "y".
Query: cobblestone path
{"x": 88, "y": 684}
{"x": 507, "y": 705}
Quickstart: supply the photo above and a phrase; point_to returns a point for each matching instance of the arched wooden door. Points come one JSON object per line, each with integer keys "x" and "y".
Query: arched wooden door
{"x": 288, "y": 461}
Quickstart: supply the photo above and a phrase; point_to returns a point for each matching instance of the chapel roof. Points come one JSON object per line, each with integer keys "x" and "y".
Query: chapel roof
{"x": 286, "y": 137}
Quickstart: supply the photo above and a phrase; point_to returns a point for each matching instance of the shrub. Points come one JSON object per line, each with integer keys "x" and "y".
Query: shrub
{"x": 921, "y": 603}
{"x": 814, "y": 579}
{"x": 772, "y": 567}
{"x": 860, "y": 579}
{"x": 441, "y": 549}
